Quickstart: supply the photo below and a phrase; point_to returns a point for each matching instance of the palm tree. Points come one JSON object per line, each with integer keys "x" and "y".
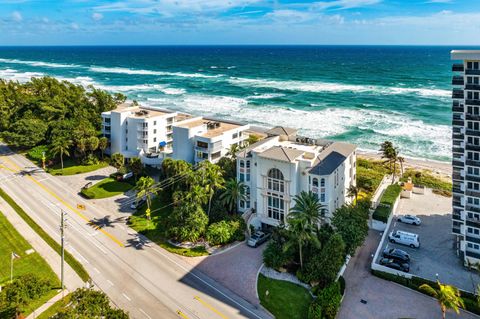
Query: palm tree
{"x": 390, "y": 153}
{"x": 353, "y": 191}
{"x": 61, "y": 146}
{"x": 234, "y": 192}
{"x": 117, "y": 160}
{"x": 195, "y": 195}
{"x": 211, "y": 178}
{"x": 102, "y": 144}
{"x": 232, "y": 152}
{"x": 300, "y": 233}
{"x": 308, "y": 208}
{"x": 92, "y": 144}
{"x": 136, "y": 166}
{"x": 401, "y": 160}
{"x": 144, "y": 189}
{"x": 81, "y": 146}
{"x": 448, "y": 297}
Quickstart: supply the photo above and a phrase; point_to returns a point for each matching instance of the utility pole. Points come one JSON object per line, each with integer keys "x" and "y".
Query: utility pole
{"x": 62, "y": 229}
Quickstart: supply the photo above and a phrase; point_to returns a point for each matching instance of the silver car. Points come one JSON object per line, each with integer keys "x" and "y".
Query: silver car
{"x": 410, "y": 219}
{"x": 257, "y": 239}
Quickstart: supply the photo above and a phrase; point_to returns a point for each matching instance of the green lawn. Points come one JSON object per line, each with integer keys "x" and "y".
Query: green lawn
{"x": 369, "y": 174}
{"x": 12, "y": 241}
{"x": 155, "y": 228}
{"x": 70, "y": 167}
{"x": 428, "y": 179}
{"x": 107, "y": 188}
{"x": 285, "y": 300}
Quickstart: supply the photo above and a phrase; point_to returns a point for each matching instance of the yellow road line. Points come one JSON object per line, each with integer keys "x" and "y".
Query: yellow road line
{"x": 181, "y": 314}
{"x": 210, "y": 307}
{"x": 112, "y": 237}
{"x": 8, "y": 168}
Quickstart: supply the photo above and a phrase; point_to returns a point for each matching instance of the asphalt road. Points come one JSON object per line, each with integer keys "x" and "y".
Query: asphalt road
{"x": 137, "y": 275}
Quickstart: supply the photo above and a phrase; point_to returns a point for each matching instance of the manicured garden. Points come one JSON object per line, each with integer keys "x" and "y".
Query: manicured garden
{"x": 72, "y": 167}
{"x": 426, "y": 178}
{"x": 25, "y": 264}
{"x": 283, "y": 299}
{"x": 369, "y": 175}
{"x": 106, "y": 188}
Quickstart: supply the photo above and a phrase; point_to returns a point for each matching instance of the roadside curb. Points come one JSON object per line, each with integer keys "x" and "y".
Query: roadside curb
{"x": 216, "y": 253}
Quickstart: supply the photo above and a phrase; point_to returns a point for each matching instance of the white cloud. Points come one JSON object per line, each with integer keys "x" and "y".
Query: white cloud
{"x": 343, "y": 4}
{"x": 74, "y": 26}
{"x": 17, "y": 16}
{"x": 97, "y": 16}
{"x": 439, "y": 1}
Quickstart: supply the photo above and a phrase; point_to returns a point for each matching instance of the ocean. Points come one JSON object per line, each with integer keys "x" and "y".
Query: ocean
{"x": 360, "y": 94}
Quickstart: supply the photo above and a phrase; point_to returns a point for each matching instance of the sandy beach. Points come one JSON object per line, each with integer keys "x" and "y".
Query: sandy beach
{"x": 443, "y": 169}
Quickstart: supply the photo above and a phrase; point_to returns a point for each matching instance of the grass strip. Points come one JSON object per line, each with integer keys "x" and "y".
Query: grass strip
{"x": 75, "y": 264}
{"x": 55, "y": 308}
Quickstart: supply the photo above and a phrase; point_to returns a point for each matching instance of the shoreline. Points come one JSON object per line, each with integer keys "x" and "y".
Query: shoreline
{"x": 443, "y": 169}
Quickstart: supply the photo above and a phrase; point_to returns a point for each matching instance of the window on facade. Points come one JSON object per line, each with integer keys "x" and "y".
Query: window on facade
{"x": 154, "y": 122}
{"x": 473, "y": 140}
{"x": 475, "y": 126}
{"x": 234, "y": 135}
{"x": 154, "y": 140}
{"x": 473, "y": 186}
{"x": 473, "y": 96}
{"x": 474, "y": 156}
{"x": 315, "y": 182}
{"x": 322, "y": 182}
{"x": 155, "y": 131}
{"x": 473, "y": 246}
{"x": 322, "y": 197}
{"x": 275, "y": 194}
{"x": 202, "y": 144}
{"x": 216, "y": 155}
{"x": 247, "y": 197}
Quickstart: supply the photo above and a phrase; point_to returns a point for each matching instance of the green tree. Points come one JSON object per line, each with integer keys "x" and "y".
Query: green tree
{"x": 210, "y": 177}
{"x": 61, "y": 145}
{"x": 229, "y": 168}
{"x": 351, "y": 223}
{"x": 252, "y": 139}
{"x": 177, "y": 174}
{"x": 102, "y": 144}
{"x": 117, "y": 160}
{"x": 188, "y": 222}
{"x": 196, "y": 195}
{"x": 352, "y": 192}
{"x": 145, "y": 190}
{"x": 81, "y": 146}
{"x": 390, "y": 153}
{"x": 448, "y": 297}
{"x": 26, "y": 133}
{"x": 232, "y": 151}
{"x": 234, "y": 192}
{"x": 92, "y": 143}
{"x": 329, "y": 300}
{"x": 301, "y": 234}
{"x": 136, "y": 166}
{"x": 308, "y": 208}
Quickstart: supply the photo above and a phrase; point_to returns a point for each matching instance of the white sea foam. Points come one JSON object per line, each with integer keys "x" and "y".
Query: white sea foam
{"x": 307, "y": 86}
{"x": 119, "y": 70}
{"x": 40, "y": 63}
{"x": 14, "y": 75}
{"x": 265, "y": 96}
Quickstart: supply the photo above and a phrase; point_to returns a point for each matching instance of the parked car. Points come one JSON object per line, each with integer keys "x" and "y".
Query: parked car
{"x": 257, "y": 239}
{"x": 397, "y": 254}
{"x": 404, "y": 238}
{"x": 410, "y": 219}
{"x": 395, "y": 264}
{"x": 137, "y": 204}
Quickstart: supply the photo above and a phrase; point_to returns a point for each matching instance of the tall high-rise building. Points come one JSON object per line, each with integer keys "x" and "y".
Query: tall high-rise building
{"x": 466, "y": 154}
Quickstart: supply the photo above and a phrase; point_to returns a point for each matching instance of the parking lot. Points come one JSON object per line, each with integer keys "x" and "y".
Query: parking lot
{"x": 436, "y": 257}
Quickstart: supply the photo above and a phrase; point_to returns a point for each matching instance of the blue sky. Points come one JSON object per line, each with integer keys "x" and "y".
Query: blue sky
{"x": 97, "y": 22}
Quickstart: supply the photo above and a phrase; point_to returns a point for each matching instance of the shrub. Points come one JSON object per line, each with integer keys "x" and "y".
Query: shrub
{"x": 90, "y": 160}
{"x": 35, "y": 154}
{"x": 274, "y": 256}
{"x": 23, "y": 290}
{"x": 383, "y": 211}
{"x": 315, "y": 310}
{"x": 342, "y": 283}
{"x": 427, "y": 179}
{"x": 226, "y": 231}
{"x": 329, "y": 300}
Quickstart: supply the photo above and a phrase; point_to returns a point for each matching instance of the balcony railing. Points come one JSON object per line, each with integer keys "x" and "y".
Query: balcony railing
{"x": 472, "y": 132}
{"x": 472, "y": 239}
{"x": 457, "y": 94}
{"x": 458, "y": 149}
{"x": 471, "y": 208}
{"x": 458, "y": 163}
{"x": 472, "y": 72}
{"x": 457, "y": 203}
{"x": 457, "y": 190}
{"x": 457, "y": 122}
{"x": 456, "y": 217}
{"x": 475, "y": 87}
{"x": 470, "y": 192}
{"x": 472, "y": 178}
{"x": 472, "y": 147}
{"x": 457, "y": 109}
{"x": 457, "y": 80}
{"x": 472, "y": 117}
{"x": 457, "y": 67}
{"x": 472, "y": 163}
{"x": 472, "y": 102}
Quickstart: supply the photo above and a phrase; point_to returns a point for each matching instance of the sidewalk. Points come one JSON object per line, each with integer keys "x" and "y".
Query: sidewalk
{"x": 72, "y": 280}
{"x": 37, "y": 312}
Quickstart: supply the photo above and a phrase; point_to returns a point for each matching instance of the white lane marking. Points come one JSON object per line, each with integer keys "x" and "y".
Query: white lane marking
{"x": 111, "y": 283}
{"x": 126, "y": 297}
{"x": 43, "y": 179}
{"x": 80, "y": 255}
{"x": 146, "y": 315}
{"x": 206, "y": 283}
{"x": 98, "y": 271}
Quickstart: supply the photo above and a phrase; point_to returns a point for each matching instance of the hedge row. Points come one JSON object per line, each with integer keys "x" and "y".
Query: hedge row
{"x": 414, "y": 283}
{"x": 75, "y": 264}
{"x": 384, "y": 209}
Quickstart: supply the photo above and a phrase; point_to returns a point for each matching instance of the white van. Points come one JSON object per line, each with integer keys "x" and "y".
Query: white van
{"x": 404, "y": 238}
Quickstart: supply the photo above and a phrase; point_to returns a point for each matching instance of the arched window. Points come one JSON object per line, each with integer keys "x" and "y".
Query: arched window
{"x": 315, "y": 182}
{"x": 322, "y": 182}
{"x": 275, "y": 194}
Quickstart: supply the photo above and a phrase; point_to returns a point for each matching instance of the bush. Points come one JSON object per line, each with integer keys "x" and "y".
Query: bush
{"x": 342, "y": 283}
{"x": 383, "y": 211}
{"x": 90, "y": 160}
{"x": 329, "y": 300}
{"x": 315, "y": 310}
{"x": 274, "y": 256}
{"x": 226, "y": 231}
{"x": 427, "y": 179}
{"x": 36, "y": 153}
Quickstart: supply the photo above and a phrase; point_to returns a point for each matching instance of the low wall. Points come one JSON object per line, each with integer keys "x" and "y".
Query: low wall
{"x": 342, "y": 270}
{"x": 381, "y": 226}
{"x": 379, "y": 267}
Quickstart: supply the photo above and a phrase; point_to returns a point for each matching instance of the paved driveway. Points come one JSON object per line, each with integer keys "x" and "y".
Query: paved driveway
{"x": 384, "y": 299}
{"x": 235, "y": 269}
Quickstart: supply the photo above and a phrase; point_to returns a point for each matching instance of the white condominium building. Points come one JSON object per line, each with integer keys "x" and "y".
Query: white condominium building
{"x": 199, "y": 139}
{"x": 140, "y": 132}
{"x": 283, "y": 165}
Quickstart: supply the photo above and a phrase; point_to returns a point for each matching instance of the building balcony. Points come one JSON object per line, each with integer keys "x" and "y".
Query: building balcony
{"x": 457, "y": 67}
{"x": 474, "y": 193}
{"x": 457, "y": 94}
{"x": 458, "y": 149}
{"x": 472, "y": 117}
{"x": 472, "y": 239}
{"x": 457, "y": 217}
{"x": 458, "y": 163}
{"x": 457, "y": 190}
{"x": 472, "y": 178}
{"x": 457, "y": 109}
{"x": 457, "y": 177}
{"x": 472, "y": 254}
{"x": 471, "y": 208}
{"x": 472, "y": 102}
{"x": 472, "y": 132}
{"x": 472, "y": 72}
{"x": 456, "y": 230}
{"x": 472, "y": 147}
{"x": 458, "y": 122}
{"x": 474, "y": 87}
{"x": 457, "y": 204}
{"x": 458, "y": 136}
{"x": 457, "y": 80}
